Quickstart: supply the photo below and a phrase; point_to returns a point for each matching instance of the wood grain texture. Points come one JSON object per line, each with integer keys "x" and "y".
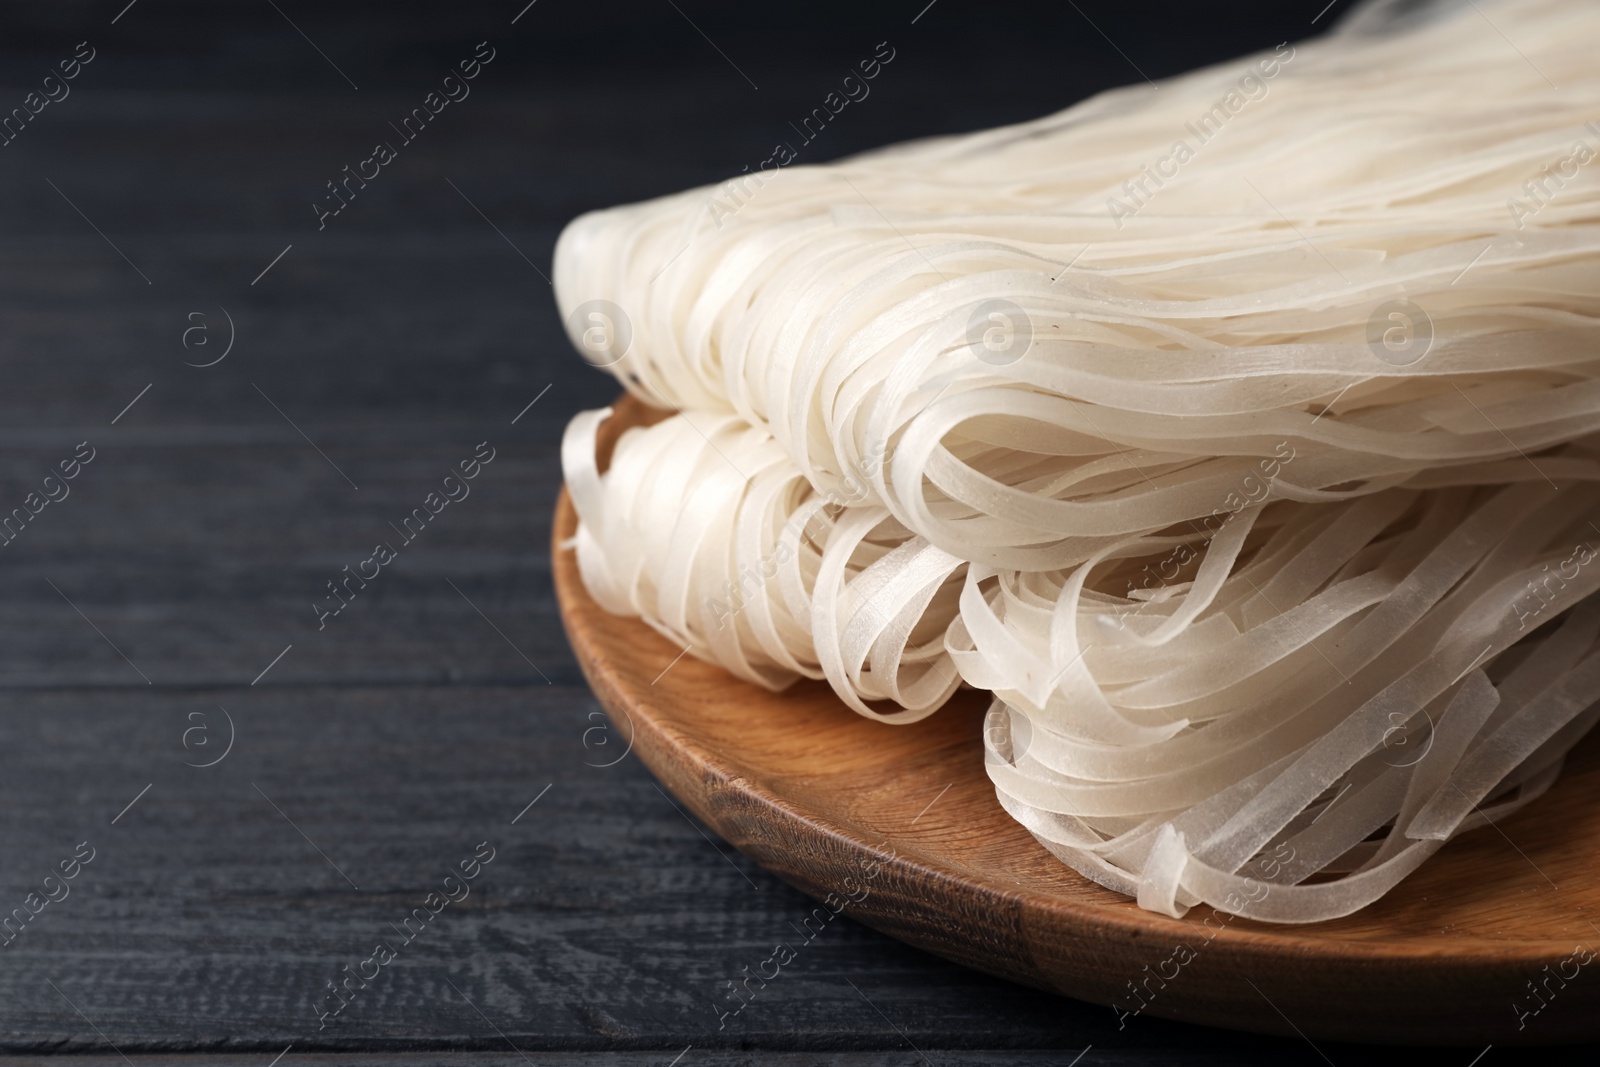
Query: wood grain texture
{"x": 396, "y": 339}
{"x": 815, "y": 793}
{"x": 409, "y": 728}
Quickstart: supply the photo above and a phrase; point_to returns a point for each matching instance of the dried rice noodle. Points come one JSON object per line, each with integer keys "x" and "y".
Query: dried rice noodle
{"x": 1271, "y": 605}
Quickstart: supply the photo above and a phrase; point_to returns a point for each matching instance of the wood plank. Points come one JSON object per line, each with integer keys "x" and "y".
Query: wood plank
{"x": 208, "y": 919}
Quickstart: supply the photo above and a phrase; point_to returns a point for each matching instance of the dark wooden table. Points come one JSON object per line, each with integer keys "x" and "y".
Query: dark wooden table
{"x": 160, "y": 615}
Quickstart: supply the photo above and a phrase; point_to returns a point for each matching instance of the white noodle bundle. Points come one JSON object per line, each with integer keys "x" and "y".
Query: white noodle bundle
{"x": 1258, "y": 461}
{"x": 1318, "y": 678}
{"x": 1170, "y": 349}
{"x": 743, "y": 564}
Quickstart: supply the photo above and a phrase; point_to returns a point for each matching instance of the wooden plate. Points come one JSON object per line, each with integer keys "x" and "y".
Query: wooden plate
{"x": 1487, "y": 942}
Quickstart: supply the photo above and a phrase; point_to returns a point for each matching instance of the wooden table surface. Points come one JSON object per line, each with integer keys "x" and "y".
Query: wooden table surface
{"x": 165, "y": 604}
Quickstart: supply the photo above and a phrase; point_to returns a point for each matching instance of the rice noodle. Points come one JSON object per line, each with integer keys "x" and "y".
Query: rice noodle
{"x": 758, "y": 571}
{"x": 1272, "y": 604}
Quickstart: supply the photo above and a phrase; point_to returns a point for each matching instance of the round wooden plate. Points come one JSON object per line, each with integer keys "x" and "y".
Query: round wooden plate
{"x": 1489, "y": 942}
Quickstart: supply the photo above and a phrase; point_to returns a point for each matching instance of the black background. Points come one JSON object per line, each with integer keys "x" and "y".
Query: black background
{"x": 375, "y": 753}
